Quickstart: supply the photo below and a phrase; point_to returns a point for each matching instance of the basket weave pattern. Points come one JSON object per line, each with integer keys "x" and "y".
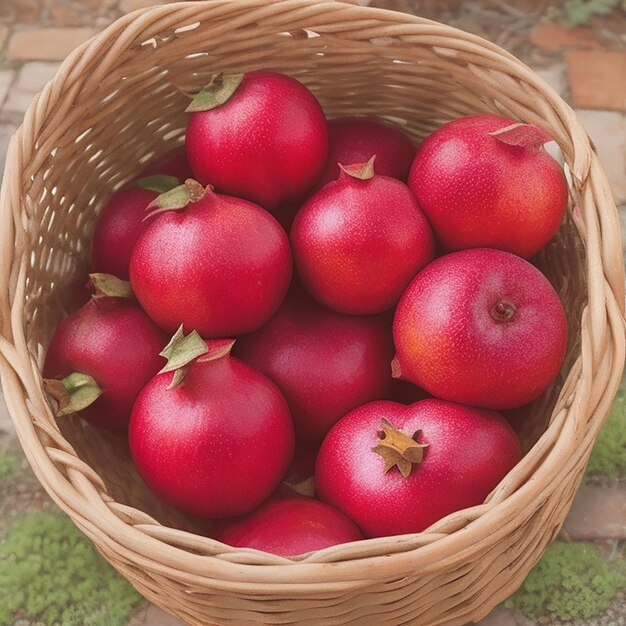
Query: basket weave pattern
{"x": 119, "y": 100}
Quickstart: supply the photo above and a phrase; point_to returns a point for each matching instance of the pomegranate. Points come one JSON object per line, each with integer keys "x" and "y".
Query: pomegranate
{"x": 209, "y": 434}
{"x": 482, "y": 327}
{"x": 396, "y": 469}
{"x": 173, "y": 163}
{"x": 324, "y": 363}
{"x": 356, "y": 139}
{"x": 121, "y": 222}
{"x": 215, "y": 263}
{"x": 359, "y": 240}
{"x": 102, "y": 355}
{"x": 485, "y": 181}
{"x": 290, "y": 526}
{"x": 260, "y": 136}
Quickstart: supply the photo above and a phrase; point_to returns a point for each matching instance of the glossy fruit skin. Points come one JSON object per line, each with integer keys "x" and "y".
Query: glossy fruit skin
{"x": 220, "y": 266}
{"x": 479, "y": 192}
{"x": 324, "y": 363}
{"x": 172, "y": 163}
{"x": 290, "y": 526}
{"x": 358, "y": 243}
{"x": 218, "y": 444}
{"x": 119, "y": 226}
{"x": 115, "y": 342}
{"x": 469, "y": 452}
{"x": 448, "y": 342}
{"x": 356, "y": 139}
{"x": 268, "y": 143}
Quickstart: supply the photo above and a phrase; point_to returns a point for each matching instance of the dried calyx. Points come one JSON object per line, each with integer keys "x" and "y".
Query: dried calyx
{"x": 107, "y": 285}
{"x": 360, "y": 171}
{"x": 74, "y": 393}
{"x": 178, "y": 198}
{"x": 216, "y": 93}
{"x": 503, "y": 311}
{"x": 399, "y": 449}
{"x": 522, "y": 135}
{"x": 183, "y": 349}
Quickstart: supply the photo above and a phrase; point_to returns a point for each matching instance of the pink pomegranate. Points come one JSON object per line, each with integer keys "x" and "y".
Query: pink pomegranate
{"x": 356, "y": 139}
{"x": 120, "y": 223}
{"x": 485, "y": 181}
{"x": 481, "y": 327}
{"x": 359, "y": 240}
{"x": 215, "y": 263}
{"x": 397, "y": 469}
{"x": 210, "y": 435}
{"x": 260, "y": 136}
{"x": 102, "y": 355}
{"x": 173, "y": 163}
{"x": 290, "y": 526}
{"x": 324, "y": 363}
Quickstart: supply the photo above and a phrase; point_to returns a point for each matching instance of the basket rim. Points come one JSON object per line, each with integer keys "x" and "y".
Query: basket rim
{"x": 19, "y": 372}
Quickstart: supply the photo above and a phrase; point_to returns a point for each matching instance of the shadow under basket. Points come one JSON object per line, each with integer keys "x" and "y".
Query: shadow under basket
{"x": 118, "y": 101}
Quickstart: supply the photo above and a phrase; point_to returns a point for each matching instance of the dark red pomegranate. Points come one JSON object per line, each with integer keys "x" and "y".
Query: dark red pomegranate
{"x": 120, "y": 223}
{"x": 359, "y": 241}
{"x": 485, "y": 181}
{"x": 260, "y": 136}
{"x": 173, "y": 163}
{"x": 356, "y": 139}
{"x": 102, "y": 355}
{"x": 210, "y": 435}
{"x": 482, "y": 327}
{"x": 290, "y": 526}
{"x": 324, "y": 363}
{"x": 397, "y": 469}
{"x": 215, "y": 263}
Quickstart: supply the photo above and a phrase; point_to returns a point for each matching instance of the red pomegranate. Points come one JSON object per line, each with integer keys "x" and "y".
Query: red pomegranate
{"x": 173, "y": 163}
{"x": 217, "y": 264}
{"x": 120, "y": 223}
{"x": 356, "y": 139}
{"x": 485, "y": 181}
{"x": 290, "y": 526}
{"x": 209, "y": 434}
{"x": 359, "y": 240}
{"x": 397, "y": 469}
{"x": 102, "y": 355}
{"x": 482, "y": 327}
{"x": 260, "y": 136}
{"x": 324, "y": 363}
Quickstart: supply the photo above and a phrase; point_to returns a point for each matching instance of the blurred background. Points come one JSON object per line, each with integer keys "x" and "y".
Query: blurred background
{"x": 50, "y": 575}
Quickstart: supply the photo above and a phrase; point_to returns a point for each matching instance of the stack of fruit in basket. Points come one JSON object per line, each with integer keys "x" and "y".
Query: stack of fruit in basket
{"x": 341, "y": 381}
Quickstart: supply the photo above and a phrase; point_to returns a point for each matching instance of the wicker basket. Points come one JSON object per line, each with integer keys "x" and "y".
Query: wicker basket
{"x": 117, "y": 101}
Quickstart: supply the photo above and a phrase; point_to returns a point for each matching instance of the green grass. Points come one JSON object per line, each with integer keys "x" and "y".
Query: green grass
{"x": 9, "y": 464}
{"x": 50, "y": 572}
{"x": 608, "y": 456}
{"x": 572, "y": 581}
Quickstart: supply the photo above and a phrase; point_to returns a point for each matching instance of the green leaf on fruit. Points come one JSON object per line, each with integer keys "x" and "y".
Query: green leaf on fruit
{"x": 74, "y": 393}
{"x": 177, "y": 198}
{"x": 216, "y": 93}
{"x": 360, "y": 171}
{"x": 159, "y": 183}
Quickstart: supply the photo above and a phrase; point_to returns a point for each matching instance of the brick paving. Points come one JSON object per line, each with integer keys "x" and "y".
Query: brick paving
{"x": 586, "y": 65}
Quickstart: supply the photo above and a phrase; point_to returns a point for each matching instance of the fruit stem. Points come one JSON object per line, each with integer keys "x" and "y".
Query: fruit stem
{"x": 503, "y": 311}
{"x": 159, "y": 183}
{"x": 360, "y": 171}
{"x": 399, "y": 449}
{"x": 73, "y": 393}
{"x": 107, "y": 285}
{"x": 183, "y": 349}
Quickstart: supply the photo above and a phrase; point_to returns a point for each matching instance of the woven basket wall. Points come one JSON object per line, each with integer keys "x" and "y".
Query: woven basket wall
{"x": 115, "y": 103}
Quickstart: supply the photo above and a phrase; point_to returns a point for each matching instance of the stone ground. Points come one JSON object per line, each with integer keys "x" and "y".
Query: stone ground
{"x": 583, "y": 56}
